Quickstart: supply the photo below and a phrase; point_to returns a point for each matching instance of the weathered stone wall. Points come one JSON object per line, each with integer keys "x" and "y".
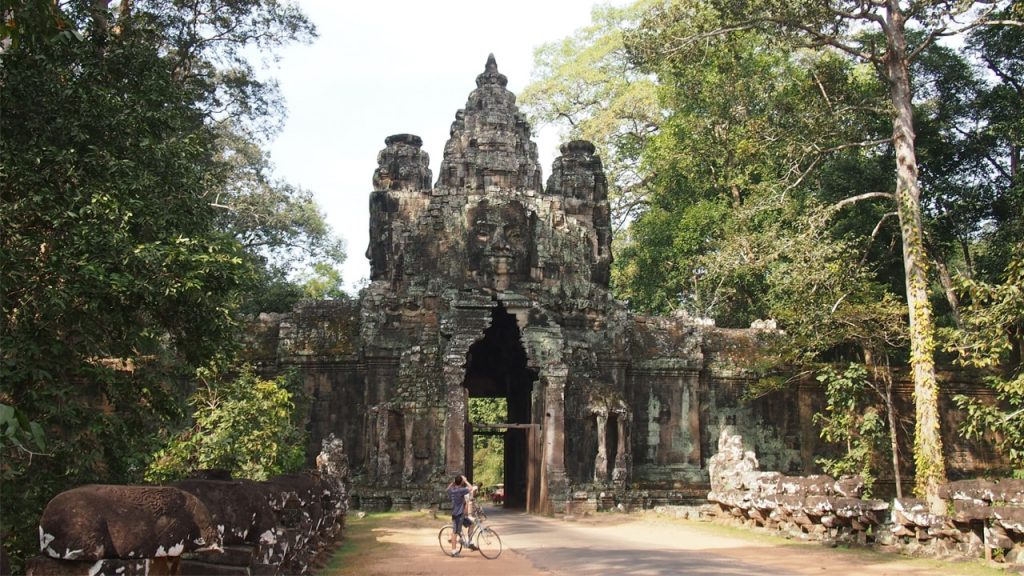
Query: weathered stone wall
{"x": 198, "y": 526}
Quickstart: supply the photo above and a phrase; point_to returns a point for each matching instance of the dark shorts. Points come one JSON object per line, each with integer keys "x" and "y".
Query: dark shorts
{"x": 460, "y": 520}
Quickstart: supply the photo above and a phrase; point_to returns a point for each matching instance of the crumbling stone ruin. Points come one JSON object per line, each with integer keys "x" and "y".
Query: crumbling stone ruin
{"x": 197, "y": 526}
{"x": 984, "y": 518}
{"x": 488, "y": 283}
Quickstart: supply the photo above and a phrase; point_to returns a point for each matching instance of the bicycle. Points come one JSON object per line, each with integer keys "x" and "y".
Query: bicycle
{"x": 481, "y": 537}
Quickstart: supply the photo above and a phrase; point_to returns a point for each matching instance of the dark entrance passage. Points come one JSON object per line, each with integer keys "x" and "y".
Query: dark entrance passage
{"x": 496, "y": 368}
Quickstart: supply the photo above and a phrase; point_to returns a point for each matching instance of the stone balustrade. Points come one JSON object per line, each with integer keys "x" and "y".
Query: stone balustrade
{"x": 815, "y": 507}
{"x": 201, "y": 526}
{"x": 984, "y": 518}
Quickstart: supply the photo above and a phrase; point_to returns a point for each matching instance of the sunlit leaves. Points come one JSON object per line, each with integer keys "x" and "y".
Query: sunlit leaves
{"x": 992, "y": 338}
{"x": 245, "y": 425}
{"x": 850, "y": 421}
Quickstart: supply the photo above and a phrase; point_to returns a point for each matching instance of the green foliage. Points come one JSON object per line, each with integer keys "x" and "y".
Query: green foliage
{"x": 740, "y": 165}
{"x": 999, "y": 137}
{"x": 323, "y": 281}
{"x": 18, "y": 436}
{"x": 660, "y": 270}
{"x": 850, "y": 421}
{"x": 992, "y": 338}
{"x": 488, "y": 450}
{"x": 768, "y": 170}
{"x": 246, "y": 425}
{"x": 488, "y": 410}
{"x": 280, "y": 227}
{"x": 489, "y": 462}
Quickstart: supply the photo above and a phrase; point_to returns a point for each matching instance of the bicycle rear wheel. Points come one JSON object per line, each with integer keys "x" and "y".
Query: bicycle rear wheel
{"x": 444, "y": 538}
{"x": 489, "y": 543}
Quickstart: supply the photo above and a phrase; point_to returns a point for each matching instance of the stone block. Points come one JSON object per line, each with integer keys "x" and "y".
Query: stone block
{"x": 235, "y": 555}
{"x": 981, "y": 490}
{"x": 45, "y": 566}
{"x": 913, "y": 513}
{"x": 815, "y": 485}
{"x": 849, "y": 487}
{"x": 996, "y": 537}
{"x": 789, "y": 502}
{"x": 1011, "y": 491}
{"x": 198, "y": 568}
{"x": 971, "y": 510}
{"x": 1010, "y": 518}
{"x": 817, "y": 505}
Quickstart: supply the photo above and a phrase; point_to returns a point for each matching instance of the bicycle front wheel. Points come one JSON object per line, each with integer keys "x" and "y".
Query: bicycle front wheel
{"x": 444, "y": 538}
{"x": 489, "y": 543}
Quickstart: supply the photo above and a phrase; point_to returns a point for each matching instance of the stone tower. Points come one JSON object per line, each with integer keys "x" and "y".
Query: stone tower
{"x": 488, "y": 285}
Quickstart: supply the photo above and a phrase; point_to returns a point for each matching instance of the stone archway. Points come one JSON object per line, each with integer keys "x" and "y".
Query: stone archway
{"x": 496, "y": 367}
{"x": 524, "y": 363}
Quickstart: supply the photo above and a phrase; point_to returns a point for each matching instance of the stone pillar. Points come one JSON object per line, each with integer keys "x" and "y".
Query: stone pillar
{"x": 623, "y": 458}
{"x": 808, "y": 434}
{"x": 383, "y": 457}
{"x": 455, "y": 422}
{"x": 372, "y": 444}
{"x": 408, "y": 453}
{"x": 601, "y": 460}
{"x": 692, "y": 392}
{"x": 556, "y": 483}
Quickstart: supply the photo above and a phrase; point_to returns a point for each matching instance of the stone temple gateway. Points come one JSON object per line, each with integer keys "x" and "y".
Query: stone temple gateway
{"x": 492, "y": 283}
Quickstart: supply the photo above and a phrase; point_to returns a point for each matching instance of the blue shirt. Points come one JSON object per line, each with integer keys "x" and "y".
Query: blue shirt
{"x": 458, "y": 494}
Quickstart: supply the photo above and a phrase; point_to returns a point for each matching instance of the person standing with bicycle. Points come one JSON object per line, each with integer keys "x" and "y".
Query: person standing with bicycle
{"x": 457, "y": 491}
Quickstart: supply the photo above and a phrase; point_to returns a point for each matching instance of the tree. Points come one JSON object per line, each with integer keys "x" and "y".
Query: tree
{"x": 1000, "y": 134}
{"x": 850, "y": 420}
{"x": 586, "y": 85}
{"x": 747, "y": 125}
{"x": 846, "y": 27}
{"x": 120, "y": 275}
{"x": 991, "y": 339}
{"x": 242, "y": 424}
{"x": 281, "y": 229}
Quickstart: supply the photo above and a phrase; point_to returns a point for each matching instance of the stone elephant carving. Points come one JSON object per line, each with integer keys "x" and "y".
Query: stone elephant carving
{"x": 99, "y": 521}
{"x": 239, "y": 508}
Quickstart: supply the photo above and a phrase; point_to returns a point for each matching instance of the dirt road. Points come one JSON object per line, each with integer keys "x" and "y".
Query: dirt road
{"x": 406, "y": 543}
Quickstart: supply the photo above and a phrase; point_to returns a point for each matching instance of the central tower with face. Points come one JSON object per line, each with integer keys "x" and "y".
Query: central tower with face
{"x": 489, "y": 224}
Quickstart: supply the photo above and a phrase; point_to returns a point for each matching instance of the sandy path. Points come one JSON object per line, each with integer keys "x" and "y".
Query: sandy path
{"x": 613, "y": 544}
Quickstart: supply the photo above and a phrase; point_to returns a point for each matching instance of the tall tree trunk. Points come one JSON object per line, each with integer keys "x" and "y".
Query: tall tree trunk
{"x": 928, "y": 459}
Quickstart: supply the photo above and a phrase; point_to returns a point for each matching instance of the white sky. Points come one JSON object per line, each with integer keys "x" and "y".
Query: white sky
{"x": 382, "y": 68}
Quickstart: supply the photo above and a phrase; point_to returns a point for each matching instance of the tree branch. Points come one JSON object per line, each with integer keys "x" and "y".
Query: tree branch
{"x": 859, "y": 197}
{"x": 874, "y": 234}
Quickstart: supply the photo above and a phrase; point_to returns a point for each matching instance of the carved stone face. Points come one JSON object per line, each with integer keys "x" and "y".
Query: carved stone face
{"x": 498, "y": 243}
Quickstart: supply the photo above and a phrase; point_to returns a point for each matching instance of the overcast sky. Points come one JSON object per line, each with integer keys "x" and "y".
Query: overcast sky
{"x": 382, "y": 68}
